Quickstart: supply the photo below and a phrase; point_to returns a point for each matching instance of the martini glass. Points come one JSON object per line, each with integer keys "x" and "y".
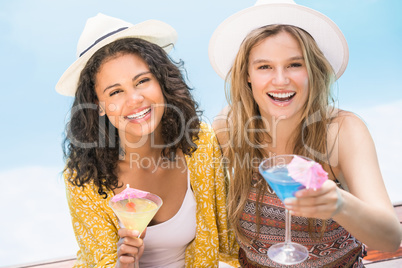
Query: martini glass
{"x": 275, "y": 172}
{"x": 136, "y": 213}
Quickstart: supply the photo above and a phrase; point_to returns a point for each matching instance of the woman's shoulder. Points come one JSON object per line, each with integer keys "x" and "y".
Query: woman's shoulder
{"x": 347, "y": 122}
{"x": 208, "y": 150}
{"x": 347, "y": 132}
{"x": 206, "y": 134}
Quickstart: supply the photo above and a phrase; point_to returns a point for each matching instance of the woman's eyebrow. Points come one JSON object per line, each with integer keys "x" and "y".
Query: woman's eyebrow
{"x": 138, "y": 75}
{"x": 114, "y": 85}
{"x": 257, "y": 61}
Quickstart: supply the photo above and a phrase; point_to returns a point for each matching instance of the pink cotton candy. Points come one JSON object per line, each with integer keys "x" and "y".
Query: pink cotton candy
{"x": 129, "y": 193}
{"x": 309, "y": 173}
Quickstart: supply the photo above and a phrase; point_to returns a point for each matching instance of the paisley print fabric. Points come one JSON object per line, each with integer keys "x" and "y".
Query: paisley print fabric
{"x": 96, "y": 226}
{"x": 337, "y": 248}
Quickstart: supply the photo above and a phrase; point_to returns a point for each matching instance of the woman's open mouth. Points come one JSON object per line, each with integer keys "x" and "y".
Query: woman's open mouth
{"x": 140, "y": 114}
{"x": 281, "y": 97}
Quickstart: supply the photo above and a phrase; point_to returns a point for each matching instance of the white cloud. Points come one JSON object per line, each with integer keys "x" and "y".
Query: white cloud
{"x": 385, "y": 125}
{"x": 36, "y": 222}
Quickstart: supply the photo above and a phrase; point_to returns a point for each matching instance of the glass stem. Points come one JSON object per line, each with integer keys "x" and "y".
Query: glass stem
{"x": 288, "y": 226}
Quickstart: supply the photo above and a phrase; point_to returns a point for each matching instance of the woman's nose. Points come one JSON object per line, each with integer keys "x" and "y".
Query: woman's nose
{"x": 134, "y": 98}
{"x": 281, "y": 77}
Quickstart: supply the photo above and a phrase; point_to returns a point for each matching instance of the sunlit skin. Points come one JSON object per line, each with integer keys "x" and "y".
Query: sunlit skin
{"x": 277, "y": 66}
{"x": 125, "y": 87}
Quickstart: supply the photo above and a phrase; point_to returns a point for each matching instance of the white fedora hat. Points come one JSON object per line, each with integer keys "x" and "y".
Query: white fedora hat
{"x": 102, "y": 30}
{"x": 226, "y": 40}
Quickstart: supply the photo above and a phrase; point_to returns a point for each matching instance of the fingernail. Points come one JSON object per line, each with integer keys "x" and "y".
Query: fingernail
{"x": 290, "y": 200}
{"x": 135, "y": 233}
{"x": 300, "y": 193}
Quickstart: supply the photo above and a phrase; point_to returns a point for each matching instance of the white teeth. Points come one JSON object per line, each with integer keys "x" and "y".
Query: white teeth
{"x": 140, "y": 114}
{"x": 281, "y": 95}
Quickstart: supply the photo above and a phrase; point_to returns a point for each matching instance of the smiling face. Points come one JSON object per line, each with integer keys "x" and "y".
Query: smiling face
{"x": 130, "y": 95}
{"x": 278, "y": 76}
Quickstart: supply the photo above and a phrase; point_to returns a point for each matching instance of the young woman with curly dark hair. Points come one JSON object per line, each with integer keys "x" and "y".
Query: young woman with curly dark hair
{"x": 134, "y": 121}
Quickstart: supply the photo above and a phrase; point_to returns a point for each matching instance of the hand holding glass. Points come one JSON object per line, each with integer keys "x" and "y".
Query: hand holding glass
{"x": 135, "y": 213}
{"x": 275, "y": 171}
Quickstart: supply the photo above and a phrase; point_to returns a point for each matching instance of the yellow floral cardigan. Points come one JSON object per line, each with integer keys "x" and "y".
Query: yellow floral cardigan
{"x": 96, "y": 226}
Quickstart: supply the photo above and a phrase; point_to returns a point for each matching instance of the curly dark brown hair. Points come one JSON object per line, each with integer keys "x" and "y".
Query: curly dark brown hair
{"x": 91, "y": 145}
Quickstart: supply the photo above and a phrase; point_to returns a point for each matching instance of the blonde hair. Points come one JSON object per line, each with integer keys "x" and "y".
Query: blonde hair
{"x": 309, "y": 138}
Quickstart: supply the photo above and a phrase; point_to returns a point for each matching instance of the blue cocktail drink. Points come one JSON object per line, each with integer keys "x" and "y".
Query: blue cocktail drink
{"x": 275, "y": 172}
{"x": 279, "y": 180}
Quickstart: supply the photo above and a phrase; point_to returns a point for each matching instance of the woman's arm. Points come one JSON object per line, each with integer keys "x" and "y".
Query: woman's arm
{"x": 96, "y": 230}
{"x": 366, "y": 210}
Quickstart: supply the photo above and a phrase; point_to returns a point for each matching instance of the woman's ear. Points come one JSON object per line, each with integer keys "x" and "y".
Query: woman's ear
{"x": 101, "y": 111}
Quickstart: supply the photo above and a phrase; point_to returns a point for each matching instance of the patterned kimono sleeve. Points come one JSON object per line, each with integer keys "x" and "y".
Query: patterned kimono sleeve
{"x": 95, "y": 231}
{"x": 228, "y": 247}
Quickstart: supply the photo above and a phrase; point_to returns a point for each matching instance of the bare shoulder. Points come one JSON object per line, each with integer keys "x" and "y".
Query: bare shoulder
{"x": 348, "y": 123}
{"x": 347, "y": 135}
{"x": 352, "y": 140}
{"x": 220, "y": 125}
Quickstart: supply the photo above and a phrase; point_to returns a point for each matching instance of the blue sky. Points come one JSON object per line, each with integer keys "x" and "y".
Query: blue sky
{"x": 38, "y": 41}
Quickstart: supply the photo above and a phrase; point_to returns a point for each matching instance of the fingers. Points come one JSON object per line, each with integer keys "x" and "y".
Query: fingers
{"x": 125, "y": 261}
{"x": 322, "y": 203}
{"x": 130, "y": 241}
{"x": 124, "y": 232}
{"x": 327, "y": 186}
{"x": 129, "y": 246}
{"x": 318, "y": 211}
{"x": 125, "y": 264}
{"x": 128, "y": 250}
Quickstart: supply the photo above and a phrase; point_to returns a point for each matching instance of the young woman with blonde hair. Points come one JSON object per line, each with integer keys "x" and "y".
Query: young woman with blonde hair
{"x": 280, "y": 67}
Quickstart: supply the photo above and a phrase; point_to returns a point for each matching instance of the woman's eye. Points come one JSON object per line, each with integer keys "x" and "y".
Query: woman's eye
{"x": 296, "y": 65}
{"x": 114, "y": 92}
{"x": 142, "y": 81}
{"x": 263, "y": 67}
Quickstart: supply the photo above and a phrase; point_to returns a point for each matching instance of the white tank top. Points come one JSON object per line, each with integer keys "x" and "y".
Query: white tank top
{"x": 165, "y": 243}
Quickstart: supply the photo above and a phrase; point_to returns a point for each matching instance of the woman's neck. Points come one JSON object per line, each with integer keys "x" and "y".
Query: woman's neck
{"x": 148, "y": 146}
{"x": 282, "y": 132}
